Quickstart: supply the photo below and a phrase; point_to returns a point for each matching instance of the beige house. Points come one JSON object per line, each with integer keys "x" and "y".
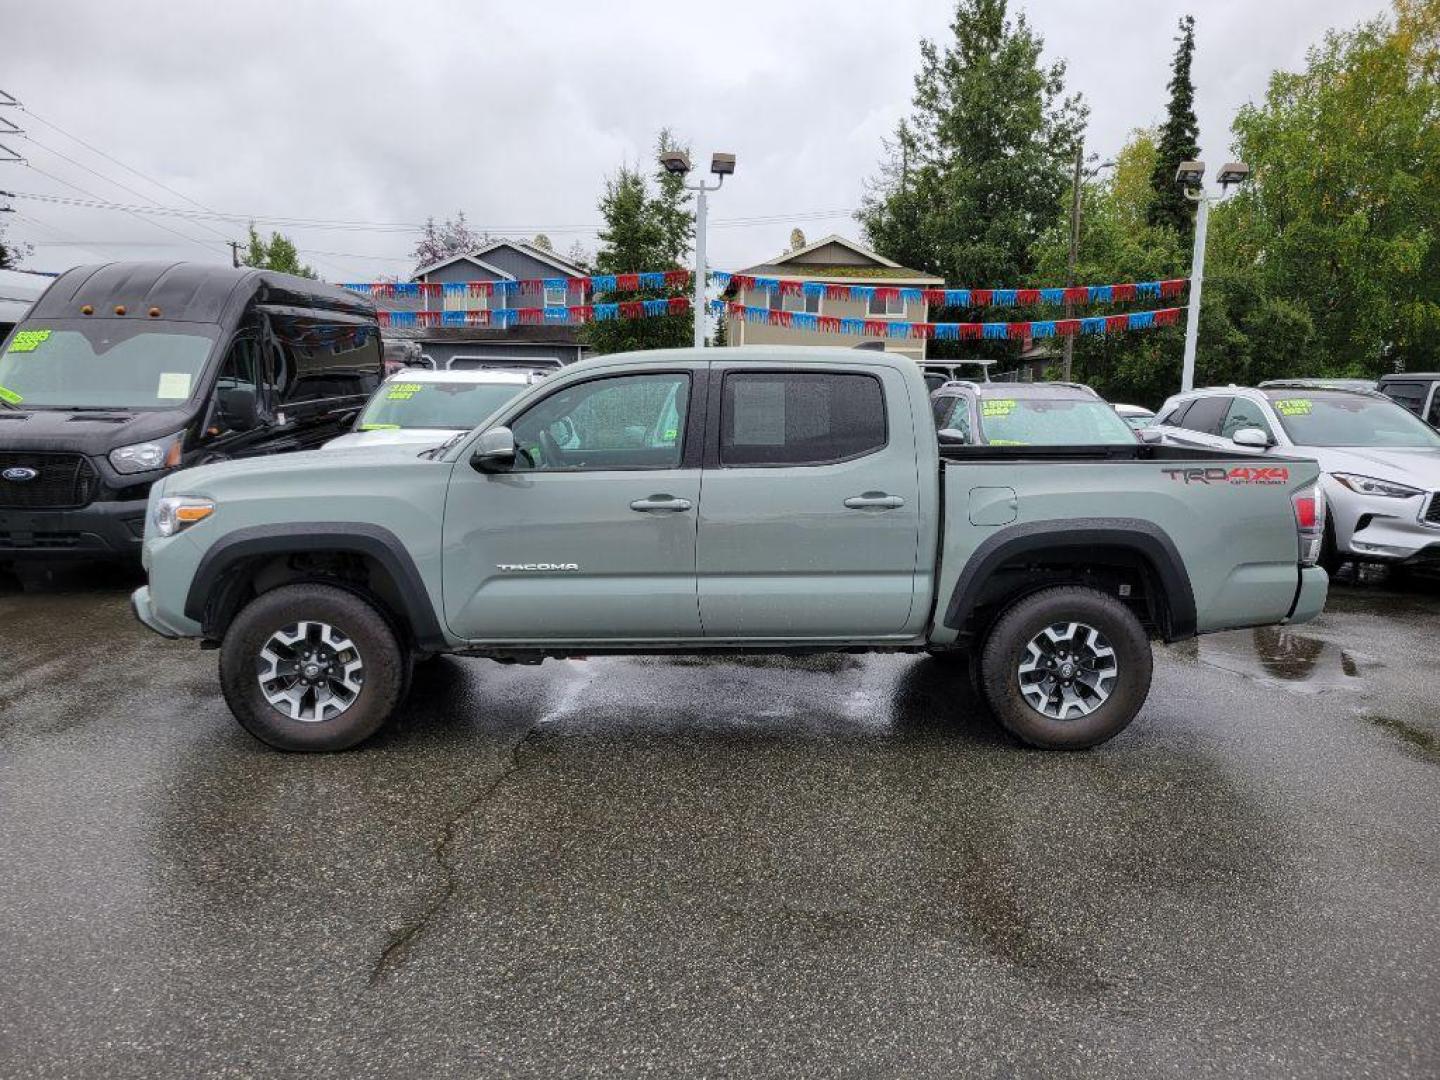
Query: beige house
{"x": 833, "y": 260}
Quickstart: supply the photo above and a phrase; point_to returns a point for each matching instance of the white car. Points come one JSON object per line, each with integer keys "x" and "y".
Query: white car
{"x": 424, "y": 408}
{"x": 1137, "y": 416}
{"x": 1380, "y": 463}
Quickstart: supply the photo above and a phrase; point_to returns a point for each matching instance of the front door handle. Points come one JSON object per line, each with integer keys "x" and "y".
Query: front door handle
{"x": 874, "y": 500}
{"x": 660, "y": 504}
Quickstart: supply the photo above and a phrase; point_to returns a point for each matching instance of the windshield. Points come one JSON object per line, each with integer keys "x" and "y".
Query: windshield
{"x": 1320, "y": 419}
{"x": 108, "y": 363}
{"x": 456, "y": 405}
{"x": 1051, "y": 422}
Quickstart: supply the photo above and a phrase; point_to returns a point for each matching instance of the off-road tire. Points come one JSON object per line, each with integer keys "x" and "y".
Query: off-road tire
{"x": 386, "y": 667}
{"x": 1006, "y": 647}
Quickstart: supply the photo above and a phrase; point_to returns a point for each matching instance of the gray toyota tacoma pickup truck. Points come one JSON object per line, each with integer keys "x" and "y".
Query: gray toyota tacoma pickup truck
{"x": 762, "y": 499}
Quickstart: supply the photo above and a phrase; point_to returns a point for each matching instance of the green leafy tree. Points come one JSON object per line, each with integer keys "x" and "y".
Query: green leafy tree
{"x": 1179, "y": 140}
{"x": 277, "y": 253}
{"x": 1341, "y": 222}
{"x": 11, "y": 253}
{"x": 976, "y": 172}
{"x": 649, "y": 225}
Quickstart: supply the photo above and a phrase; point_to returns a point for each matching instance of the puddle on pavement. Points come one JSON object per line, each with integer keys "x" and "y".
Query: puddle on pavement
{"x": 1284, "y": 657}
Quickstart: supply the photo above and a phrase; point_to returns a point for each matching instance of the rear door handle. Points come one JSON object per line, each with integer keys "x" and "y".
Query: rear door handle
{"x": 661, "y": 504}
{"x": 874, "y": 500}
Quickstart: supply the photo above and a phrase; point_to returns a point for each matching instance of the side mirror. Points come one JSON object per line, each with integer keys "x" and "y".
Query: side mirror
{"x": 950, "y": 436}
{"x": 236, "y": 408}
{"x": 1150, "y": 436}
{"x": 494, "y": 451}
{"x": 1253, "y": 437}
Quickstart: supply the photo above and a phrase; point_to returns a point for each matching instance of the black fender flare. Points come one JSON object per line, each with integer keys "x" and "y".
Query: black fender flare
{"x": 354, "y": 538}
{"x": 1145, "y": 538}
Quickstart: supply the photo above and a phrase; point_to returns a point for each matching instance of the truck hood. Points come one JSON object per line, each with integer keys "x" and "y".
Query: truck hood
{"x": 416, "y": 437}
{"x": 317, "y": 471}
{"x": 85, "y": 431}
{"x": 1413, "y": 466}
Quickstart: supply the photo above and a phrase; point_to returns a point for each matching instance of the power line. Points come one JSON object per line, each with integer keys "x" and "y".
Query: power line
{"x": 100, "y": 202}
{"x": 111, "y": 180}
{"x": 392, "y": 226}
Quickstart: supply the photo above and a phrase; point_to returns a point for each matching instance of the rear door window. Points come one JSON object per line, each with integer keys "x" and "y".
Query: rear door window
{"x": 1206, "y": 415}
{"x": 800, "y": 418}
{"x": 1409, "y": 394}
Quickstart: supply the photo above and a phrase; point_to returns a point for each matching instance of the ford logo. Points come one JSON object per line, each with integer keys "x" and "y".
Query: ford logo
{"x": 20, "y": 474}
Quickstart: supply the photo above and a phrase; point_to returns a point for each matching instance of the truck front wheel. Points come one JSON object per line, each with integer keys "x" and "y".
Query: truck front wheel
{"x": 1066, "y": 668}
{"x": 312, "y": 667}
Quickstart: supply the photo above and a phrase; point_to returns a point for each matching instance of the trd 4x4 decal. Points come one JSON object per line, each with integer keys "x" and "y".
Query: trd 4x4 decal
{"x": 1241, "y": 474}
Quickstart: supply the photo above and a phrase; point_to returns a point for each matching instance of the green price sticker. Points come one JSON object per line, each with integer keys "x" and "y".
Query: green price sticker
{"x": 1293, "y": 407}
{"x": 1008, "y": 442}
{"x": 379, "y": 427}
{"x": 997, "y": 407}
{"x": 28, "y": 340}
{"x": 10, "y": 397}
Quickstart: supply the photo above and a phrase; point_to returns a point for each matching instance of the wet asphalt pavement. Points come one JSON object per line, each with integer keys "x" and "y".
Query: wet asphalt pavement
{"x": 804, "y": 867}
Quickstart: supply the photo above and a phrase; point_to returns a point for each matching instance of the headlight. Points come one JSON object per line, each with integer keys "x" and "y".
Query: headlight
{"x": 176, "y": 512}
{"x": 1368, "y": 485}
{"x": 147, "y": 456}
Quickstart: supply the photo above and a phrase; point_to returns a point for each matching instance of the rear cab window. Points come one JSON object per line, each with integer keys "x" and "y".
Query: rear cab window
{"x": 800, "y": 418}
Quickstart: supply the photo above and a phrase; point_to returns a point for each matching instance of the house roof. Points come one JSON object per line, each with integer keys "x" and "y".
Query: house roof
{"x": 881, "y": 269}
{"x": 563, "y": 265}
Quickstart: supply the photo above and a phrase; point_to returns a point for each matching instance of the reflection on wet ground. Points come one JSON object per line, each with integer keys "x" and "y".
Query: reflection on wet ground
{"x": 829, "y": 865}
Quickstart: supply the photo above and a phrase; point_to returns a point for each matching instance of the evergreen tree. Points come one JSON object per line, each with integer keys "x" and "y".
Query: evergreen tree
{"x": 1179, "y": 140}
{"x": 277, "y": 253}
{"x": 975, "y": 174}
{"x": 647, "y": 227}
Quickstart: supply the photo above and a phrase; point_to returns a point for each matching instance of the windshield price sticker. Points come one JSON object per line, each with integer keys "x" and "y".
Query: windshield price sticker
{"x": 403, "y": 391}
{"x": 28, "y": 340}
{"x": 174, "y": 386}
{"x": 998, "y": 407}
{"x": 1293, "y": 407}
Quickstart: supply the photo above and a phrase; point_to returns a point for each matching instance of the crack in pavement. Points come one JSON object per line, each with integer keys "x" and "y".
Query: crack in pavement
{"x": 398, "y": 948}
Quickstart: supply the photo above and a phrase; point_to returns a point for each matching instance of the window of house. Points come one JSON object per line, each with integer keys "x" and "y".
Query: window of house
{"x": 801, "y": 302}
{"x": 556, "y": 297}
{"x": 799, "y": 418}
{"x": 882, "y": 306}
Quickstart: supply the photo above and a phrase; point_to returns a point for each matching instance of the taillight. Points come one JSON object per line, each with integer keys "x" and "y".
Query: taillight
{"x": 1309, "y": 522}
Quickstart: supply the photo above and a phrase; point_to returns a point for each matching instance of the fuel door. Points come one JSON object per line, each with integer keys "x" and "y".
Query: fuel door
{"x": 993, "y": 505}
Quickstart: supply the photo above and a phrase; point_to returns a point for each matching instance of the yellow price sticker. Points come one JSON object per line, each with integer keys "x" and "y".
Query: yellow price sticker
{"x": 1294, "y": 406}
{"x": 28, "y": 340}
{"x": 379, "y": 427}
{"x": 404, "y": 391}
{"x": 998, "y": 407}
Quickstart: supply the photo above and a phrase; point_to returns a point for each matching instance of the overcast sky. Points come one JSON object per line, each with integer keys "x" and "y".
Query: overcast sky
{"x": 386, "y": 113}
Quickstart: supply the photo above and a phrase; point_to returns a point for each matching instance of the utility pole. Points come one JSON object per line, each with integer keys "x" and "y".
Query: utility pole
{"x": 1069, "y": 345}
{"x": 234, "y": 253}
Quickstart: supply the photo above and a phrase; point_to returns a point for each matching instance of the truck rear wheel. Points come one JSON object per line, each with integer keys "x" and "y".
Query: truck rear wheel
{"x": 312, "y": 667}
{"x": 1066, "y": 668}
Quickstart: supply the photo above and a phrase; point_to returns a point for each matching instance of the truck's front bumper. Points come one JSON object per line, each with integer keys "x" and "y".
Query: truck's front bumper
{"x": 102, "y": 530}
{"x": 1310, "y": 597}
{"x": 144, "y": 610}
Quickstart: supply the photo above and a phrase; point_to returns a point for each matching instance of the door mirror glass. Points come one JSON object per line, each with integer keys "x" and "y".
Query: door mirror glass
{"x": 952, "y": 437}
{"x": 494, "y": 451}
{"x": 1252, "y": 437}
{"x": 235, "y": 407}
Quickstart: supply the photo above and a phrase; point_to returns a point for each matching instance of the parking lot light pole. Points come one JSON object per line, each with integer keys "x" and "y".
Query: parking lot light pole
{"x": 677, "y": 163}
{"x": 1191, "y": 177}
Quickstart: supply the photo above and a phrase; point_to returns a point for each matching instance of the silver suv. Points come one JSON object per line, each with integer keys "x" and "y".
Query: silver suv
{"x": 1380, "y": 465}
